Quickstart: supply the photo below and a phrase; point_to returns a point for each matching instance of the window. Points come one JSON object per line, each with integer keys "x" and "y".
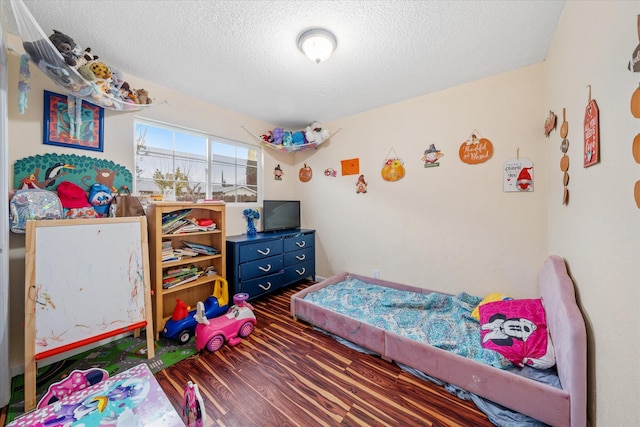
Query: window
{"x": 192, "y": 165}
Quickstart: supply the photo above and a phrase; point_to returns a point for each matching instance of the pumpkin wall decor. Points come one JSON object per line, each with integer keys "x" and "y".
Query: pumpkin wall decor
{"x": 305, "y": 173}
{"x": 476, "y": 149}
{"x": 393, "y": 167}
{"x": 635, "y": 103}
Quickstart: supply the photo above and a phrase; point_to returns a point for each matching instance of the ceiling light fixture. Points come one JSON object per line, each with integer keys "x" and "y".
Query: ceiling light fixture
{"x": 317, "y": 43}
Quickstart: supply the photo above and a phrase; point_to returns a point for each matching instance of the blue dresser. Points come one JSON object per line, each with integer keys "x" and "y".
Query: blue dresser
{"x": 269, "y": 261}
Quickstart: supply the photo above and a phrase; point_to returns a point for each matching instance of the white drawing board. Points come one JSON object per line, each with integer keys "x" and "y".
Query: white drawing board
{"x": 86, "y": 280}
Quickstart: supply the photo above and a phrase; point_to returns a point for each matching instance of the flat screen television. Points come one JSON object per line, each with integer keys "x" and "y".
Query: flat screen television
{"x": 280, "y": 215}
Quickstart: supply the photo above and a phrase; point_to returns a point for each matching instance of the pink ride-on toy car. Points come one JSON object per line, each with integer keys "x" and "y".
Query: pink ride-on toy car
{"x": 231, "y": 327}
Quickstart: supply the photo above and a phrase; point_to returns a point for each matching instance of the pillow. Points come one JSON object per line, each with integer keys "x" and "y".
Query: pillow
{"x": 489, "y": 298}
{"x": 517, "y": 329}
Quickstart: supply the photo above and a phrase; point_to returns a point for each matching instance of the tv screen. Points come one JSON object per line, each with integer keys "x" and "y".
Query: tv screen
{"x": 280, "y": 215}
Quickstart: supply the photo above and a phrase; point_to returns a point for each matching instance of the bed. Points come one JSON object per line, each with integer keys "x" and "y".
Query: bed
{"x": 565, "y": 406}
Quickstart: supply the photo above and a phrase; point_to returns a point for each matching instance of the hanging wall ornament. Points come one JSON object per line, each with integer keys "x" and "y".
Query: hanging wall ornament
{"x": 591, "y": 133}
{"x": 361, "y": 185}
{"x": 277, "y": 173}
{"x": 476, "y": 149}
{"x": 393, "y": 168}
{"x": 350, "y": 166}
{"x": 518, "y": 175}
{"x": 634, "y": 62}
{"x": 564, "y": 161}
{"x": 431, "y": 156}
{"x": 330, "y": 172}
{"x": 635, "y": 103}
{"x": 550, "y": 123}
{"x": 305, "y": 173}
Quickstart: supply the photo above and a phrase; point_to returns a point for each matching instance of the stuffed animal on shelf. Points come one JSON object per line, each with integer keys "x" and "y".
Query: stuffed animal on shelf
{"x": 287, "y": 138}
{"x": 68, "y": 48}
{"x": 100, "y": 70}
{"x": 143, "y": 96}
{"x": 267, "y": 137}
{"x": 316, "y": 134}
{"x": 277, "y": 136}
{"x": 85, "y": 58}
{"x": 298, "y": 138}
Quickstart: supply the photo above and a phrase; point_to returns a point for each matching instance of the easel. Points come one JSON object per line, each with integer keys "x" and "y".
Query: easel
{"x": 75, "y": 260}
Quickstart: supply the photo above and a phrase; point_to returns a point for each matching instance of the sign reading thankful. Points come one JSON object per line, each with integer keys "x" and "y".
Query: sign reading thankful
{"x": 476, "y": 150}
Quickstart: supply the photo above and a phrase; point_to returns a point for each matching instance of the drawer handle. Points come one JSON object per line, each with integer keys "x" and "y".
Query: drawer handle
{"x": 267, "y": 252}
{"x": 301, "y": 272}
{"x": 301, "y": 244}
{"x": 265, "y": 269}
{"x": 300, "y": 257}
{"x": 265, "y": 288}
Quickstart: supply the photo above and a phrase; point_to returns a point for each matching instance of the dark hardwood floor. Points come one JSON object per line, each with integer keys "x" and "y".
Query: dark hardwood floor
{"x": 288, "y": 374}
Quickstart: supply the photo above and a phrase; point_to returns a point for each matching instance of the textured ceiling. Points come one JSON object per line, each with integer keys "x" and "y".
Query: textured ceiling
{"x": 242, "y": 55}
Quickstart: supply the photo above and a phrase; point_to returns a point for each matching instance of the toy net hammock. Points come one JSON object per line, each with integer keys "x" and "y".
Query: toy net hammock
{"x": 48, "y": 59}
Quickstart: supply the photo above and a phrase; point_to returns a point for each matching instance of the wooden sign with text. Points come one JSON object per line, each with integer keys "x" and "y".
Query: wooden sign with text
{"x": 476, "y": 151}
{"x": 591, "y": 134}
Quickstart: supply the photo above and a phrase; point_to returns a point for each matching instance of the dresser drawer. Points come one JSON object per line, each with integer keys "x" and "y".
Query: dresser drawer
{"x": 262, "y": 285}
{"x": 298, "y": 242}
{"x": 261, "y": 267}
{"x": 261, "y": 249}
{"x": 296, "y": 257}
{"x": 299, "y": 271}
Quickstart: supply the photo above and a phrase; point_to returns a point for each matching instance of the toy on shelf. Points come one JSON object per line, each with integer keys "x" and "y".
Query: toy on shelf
{"x": 236, "y": 324}
{"x": 182, "y": 324}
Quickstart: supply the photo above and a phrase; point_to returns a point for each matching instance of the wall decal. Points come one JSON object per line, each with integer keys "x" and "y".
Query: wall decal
{"x": 48, "y": 170}
{"x": 350, "y": 166}
{"x": 277, "y": 173}
{"x": 361, "y": 185}
{"x": 518, "y": 175}
{"x": 431, "y": 156}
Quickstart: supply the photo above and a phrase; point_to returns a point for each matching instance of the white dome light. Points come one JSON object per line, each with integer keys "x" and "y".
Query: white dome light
{"x": 318, "y": 44}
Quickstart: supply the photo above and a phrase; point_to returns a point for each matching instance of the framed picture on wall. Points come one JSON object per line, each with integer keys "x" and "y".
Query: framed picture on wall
{"x": 79, "y": 125}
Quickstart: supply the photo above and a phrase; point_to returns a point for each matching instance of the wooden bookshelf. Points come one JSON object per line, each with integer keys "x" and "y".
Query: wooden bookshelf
{"x": 164, "y": 300}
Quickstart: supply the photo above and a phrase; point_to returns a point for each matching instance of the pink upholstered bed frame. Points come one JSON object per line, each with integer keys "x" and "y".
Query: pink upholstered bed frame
{"x": 565, "y": 407}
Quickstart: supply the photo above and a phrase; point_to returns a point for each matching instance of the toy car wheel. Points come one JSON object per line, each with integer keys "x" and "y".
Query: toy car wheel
{"x": 246, "y": 329}
{"x": 184, "y": 337}
{"x": 215, "y": 343}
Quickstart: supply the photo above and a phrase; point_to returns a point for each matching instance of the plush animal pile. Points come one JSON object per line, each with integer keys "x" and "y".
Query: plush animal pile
{"x": 102, "y": 79}
{"x": 313, "y": 134}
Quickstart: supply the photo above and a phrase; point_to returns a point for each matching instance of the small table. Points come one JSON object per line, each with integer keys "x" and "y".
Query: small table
{"x": 131, "y": 398}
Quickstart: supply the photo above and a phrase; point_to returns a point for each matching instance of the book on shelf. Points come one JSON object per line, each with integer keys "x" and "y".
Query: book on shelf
{"x": 191, "y": 225}
{"x": 200, "y": 248}
{"x": 182, "y": 281}
{"x": 172, "y": 273}
{"x": 172, "y": 220}
{"x": 185, "y": 252}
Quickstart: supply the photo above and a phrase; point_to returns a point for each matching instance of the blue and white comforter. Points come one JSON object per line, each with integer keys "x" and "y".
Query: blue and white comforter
{"x": 443, "y": 321}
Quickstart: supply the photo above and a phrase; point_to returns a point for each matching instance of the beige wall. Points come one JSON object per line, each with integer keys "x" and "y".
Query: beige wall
{"x": 448, "y": 228}
{"x": 599, "y": 231}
